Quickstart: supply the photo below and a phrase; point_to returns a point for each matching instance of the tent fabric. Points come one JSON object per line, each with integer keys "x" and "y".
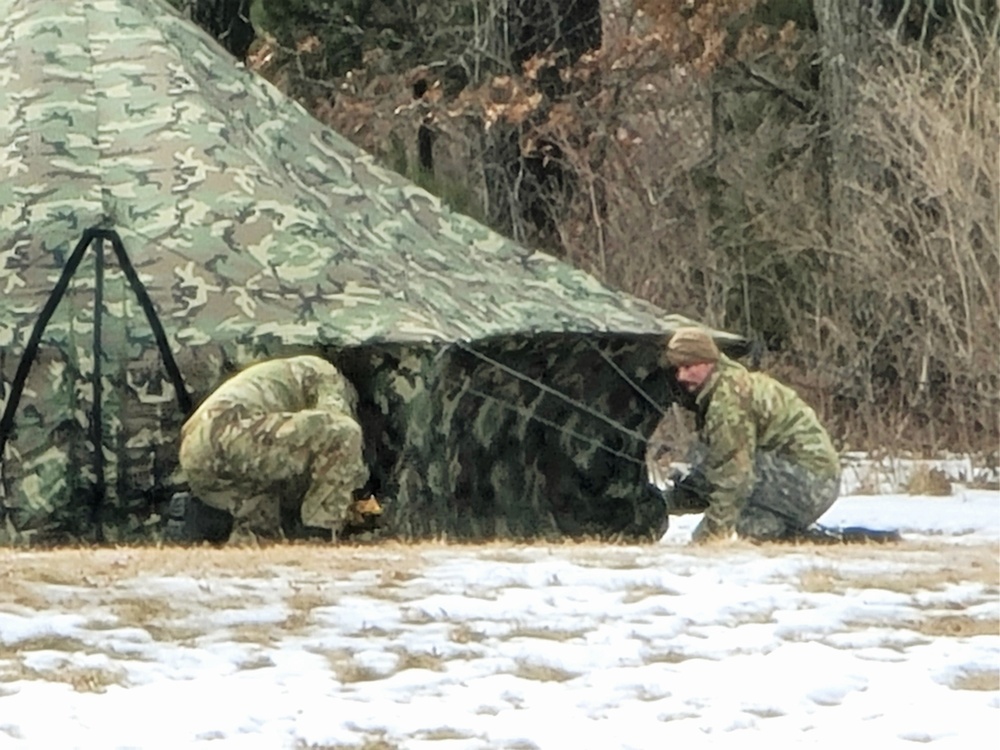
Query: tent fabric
{"x": 166, "y": 215}
{"x": 488, "y": 454}
{"x": 236, "y": 205}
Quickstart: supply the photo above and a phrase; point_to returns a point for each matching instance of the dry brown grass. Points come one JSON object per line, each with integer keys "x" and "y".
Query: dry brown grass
{"x": 463, "y": 633}
{"x": 81, "y": 679}
{"x": 102, "y": 567}
{"x": 62, "y": 643}
{"x": 41, "y": 581}
{"x": 527, "y": 670}
{"x": 548, "y": 634}
{"x": 868, "y": 484}
{"x": 638, "y": 593}
{"x": 956, "y": 626}
{"x": 156, "y": 615}
{"x": 260, "y": 633}
{"x": 174, "y": 633}
{"x": 822, "y": 580}
{"x": 395, "y": 577}
{"x": 302, "y": 604}
{"x": 927, "y": 481}
{"x": 587, "y": 557}
{"x": 931, "y": 626}
{"x": 980, "y": 679}
{"x": 665, "y": 657}
{"x": 909, "y": 568}
{"x": 420, "y": 660}
{"x": 372, "y": 743}
{"x": 347, "y": 670}
{"x": 142, "y": 611}
{"x": 443, "y": 734}
{"x": 511, "y": 554}
{"x": 375, "y": 631}
{"x": 396, "y": 563}
{"x": 390, "y": 593}
{"x": 16, "y": 596}
{"x": 984, "y": 483}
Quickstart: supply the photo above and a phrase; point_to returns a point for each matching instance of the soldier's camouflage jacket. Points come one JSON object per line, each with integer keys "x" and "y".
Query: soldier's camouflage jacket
{"x": 285, "y": 384}
{"x": 280, "y": 433}
{"x": 740, "y": 413}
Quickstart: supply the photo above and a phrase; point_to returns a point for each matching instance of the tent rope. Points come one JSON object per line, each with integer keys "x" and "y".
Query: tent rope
{"x": 553, "y": 391}
{"x": 521, "y": 411}
{"x": 635, "y": 386}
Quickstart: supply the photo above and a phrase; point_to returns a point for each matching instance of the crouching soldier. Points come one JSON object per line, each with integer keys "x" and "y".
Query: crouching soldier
{"x": 281, "y": 433}
{"x": 764, "y": 467}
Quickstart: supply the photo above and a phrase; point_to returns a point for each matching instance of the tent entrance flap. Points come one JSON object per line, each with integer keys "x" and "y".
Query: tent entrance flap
{"x": 95, "y": 240}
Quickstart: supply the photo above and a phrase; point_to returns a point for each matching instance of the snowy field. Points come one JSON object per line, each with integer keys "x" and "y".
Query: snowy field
{"x": 579, "y": 646}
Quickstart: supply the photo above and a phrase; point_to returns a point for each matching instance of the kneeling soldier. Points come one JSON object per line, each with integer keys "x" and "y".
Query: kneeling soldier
{"x": 765, "y": 468}
{"x": 281, "y": 432}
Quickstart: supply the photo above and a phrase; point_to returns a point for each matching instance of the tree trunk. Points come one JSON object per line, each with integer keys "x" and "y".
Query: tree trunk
{"x": 842, "y": 37}
{"x": 226, "y": 20}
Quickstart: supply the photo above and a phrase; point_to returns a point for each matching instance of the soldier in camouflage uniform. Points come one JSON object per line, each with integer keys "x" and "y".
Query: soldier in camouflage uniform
{"x": 764, "y": 466}
{"x": 280, "y": 433}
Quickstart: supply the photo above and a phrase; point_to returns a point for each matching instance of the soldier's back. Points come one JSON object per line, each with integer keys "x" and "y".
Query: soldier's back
{"x": 272, "y": 385}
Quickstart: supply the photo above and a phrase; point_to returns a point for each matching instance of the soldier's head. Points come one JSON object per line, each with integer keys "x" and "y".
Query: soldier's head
{"x": 693, "y": 354}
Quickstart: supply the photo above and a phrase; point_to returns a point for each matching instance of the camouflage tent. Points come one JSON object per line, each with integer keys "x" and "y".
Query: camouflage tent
{"x": 166, "y": 215}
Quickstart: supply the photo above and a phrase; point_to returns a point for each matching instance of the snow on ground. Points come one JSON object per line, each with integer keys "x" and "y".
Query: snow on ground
{"x": 516, "y": 647}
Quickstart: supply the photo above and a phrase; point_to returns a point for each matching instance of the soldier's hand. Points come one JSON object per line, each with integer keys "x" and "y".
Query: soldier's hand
{"x": 362, "y": 509}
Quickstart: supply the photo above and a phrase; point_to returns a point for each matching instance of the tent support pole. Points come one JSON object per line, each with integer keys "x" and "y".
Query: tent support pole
{"x": 31, "y": 348}
{"x": 96, "y": 415}
{"x": 173, "y": 371}
{"x": 34, "y": 340}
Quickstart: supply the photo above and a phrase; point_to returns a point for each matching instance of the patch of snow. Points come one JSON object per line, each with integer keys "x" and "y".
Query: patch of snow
{"x": 540, "y": 646}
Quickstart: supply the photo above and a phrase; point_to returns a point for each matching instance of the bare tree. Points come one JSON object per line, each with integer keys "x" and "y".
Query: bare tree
{"x": 226, "y": 20}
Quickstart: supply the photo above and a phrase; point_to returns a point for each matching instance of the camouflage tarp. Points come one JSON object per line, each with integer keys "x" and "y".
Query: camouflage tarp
{"x": 165, "y": 214}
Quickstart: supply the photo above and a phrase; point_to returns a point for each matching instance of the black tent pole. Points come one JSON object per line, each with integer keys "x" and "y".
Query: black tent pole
{"x": 96, "y": 428}
{"x": 34, "y": 340}
{"x": 31, "y": 348}
{"x": 173, "y": 371}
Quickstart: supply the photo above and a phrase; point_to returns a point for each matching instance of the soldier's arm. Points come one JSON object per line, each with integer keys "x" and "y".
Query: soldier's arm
{"x": 728, "y": 466}
{"x": 335, "y": 393}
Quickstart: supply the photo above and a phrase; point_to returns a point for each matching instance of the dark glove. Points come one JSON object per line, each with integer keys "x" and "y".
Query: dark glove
{"x": 687, "y": 495}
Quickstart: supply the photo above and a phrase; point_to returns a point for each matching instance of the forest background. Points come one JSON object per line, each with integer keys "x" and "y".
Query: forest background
{"x": 822, "y": 176}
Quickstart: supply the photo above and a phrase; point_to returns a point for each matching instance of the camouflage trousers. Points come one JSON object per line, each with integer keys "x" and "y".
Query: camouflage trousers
{"x": 253, "y": 466}
{"x": 785, "y": 499}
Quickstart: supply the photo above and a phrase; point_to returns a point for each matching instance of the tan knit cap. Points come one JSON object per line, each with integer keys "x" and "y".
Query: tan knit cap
{"x": 691, "y": 346}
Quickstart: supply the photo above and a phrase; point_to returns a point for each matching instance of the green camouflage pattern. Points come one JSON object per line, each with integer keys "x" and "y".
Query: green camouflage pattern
{"x": 280, "y": 433}
{"x": 784, "y": 502}
{"x": 169, "y": 217}
{"x": 468, "y": 450}
{"x": 768, "y": 461}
